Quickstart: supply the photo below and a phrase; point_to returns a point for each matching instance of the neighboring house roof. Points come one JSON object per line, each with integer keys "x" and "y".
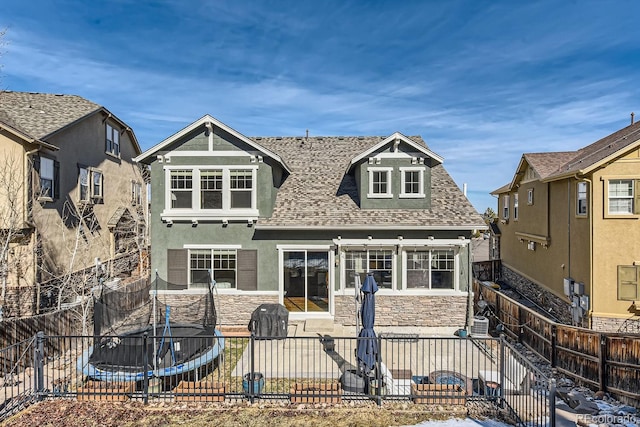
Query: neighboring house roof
{"x": 203, "y": 121}
{"x": 551, "y": 166}
{"x": 494, "y": 228}
{"x": 318, "y": 194}
{"x": 40, "y": 115}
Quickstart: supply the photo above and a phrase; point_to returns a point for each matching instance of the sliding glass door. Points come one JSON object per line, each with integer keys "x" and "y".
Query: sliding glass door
{"x": 306, "y": 280}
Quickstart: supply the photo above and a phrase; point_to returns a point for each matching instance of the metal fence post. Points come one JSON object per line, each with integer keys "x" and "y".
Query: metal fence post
{"x": 250, "y": 381}
{"x": 502, "y": 368}
{"x": 38, "y": 365}
{"x": 145, "y": 381}
{"x": 378, "y": 372}
{"x": 552, "y": 402}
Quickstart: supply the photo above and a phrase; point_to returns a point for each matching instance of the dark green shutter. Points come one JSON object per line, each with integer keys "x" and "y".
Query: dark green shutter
{"x": 247, "y": 264}
{"x": 177, "y": 268}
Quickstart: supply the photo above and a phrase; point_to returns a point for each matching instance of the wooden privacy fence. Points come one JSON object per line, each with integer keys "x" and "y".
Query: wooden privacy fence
{"x": 605, "y": 361}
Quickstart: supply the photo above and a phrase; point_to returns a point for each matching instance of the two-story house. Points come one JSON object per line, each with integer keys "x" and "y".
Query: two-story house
{"x": 70, "y": 195}
{"x": 301, "y": 220}
{"x": 570, "y": 230}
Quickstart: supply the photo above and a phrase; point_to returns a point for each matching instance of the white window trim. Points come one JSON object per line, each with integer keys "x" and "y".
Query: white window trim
{"x": 92, "y": 188}
{"x": 632, "y": 197}
{"x": 331, "y": 288}
{"x": 505, "y": 206}
{"x": 196, "y": 212}
{"x": 456, "y": 272}
{"x": 210, "y": 248}
{"x": 586, "y": 198}
{"x": 115, "y": 134}
{"x": 389, "y": 193}
{"x": 515, "y": 206}
{"x": 88, "y": 171}
{"x": 420, "y": 194}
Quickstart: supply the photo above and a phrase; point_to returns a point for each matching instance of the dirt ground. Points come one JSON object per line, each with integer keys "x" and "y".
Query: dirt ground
{"x": 72, "y": 413}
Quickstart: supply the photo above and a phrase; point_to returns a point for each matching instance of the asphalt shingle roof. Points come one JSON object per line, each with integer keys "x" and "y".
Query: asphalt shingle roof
{"x": 319, "y": 194}
{"x": 545, "y": 164}
{"x": 40, "y": 114}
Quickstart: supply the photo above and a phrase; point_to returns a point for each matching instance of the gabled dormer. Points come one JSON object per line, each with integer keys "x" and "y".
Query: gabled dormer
{"x": 394, "y": 174}
{"x": 210, "y": 172}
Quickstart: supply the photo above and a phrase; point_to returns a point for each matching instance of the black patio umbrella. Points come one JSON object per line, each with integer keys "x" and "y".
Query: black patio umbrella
{"x": 367, "y": 350}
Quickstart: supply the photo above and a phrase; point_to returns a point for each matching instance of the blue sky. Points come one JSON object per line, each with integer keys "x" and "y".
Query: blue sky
{"x": 482, "y": 82}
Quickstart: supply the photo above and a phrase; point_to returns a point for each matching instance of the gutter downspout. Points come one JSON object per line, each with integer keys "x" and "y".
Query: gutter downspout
{"x": 590, "y": 213}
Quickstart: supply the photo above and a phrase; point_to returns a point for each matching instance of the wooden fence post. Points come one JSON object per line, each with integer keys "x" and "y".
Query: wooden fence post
{"x": 602, "y": 362}
{"x": 554, "y": 345}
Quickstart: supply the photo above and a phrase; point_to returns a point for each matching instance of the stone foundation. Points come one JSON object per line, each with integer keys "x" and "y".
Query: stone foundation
{"x": 413, "y": 310}
{"x": 609, "y": 324}
{"x": 537, "y": 294}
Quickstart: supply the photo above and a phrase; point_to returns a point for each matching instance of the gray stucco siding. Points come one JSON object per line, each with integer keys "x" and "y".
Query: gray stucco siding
{"x": 394, "y": 202}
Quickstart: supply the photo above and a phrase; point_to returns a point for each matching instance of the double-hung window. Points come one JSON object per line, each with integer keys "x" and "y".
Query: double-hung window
{"x": 90, "y": 184}
{"x": 112, "y": 140}
{"x": 359, "y": 263}
{"x": 136, "y": 193}
{"x": 412, "y": 183}
{"x": 430, "y": 269}
{"x": 621, "y": 194}
{"x": 380, "y": 182}
{"x": 241, "y": 188}
{"x": 210, "y": 189}
{"x": 46, "y": 177}
{"x": 181, "y": 189}
{"x": 216, "y": 264}
{"x": 581, "y": 199}
{"x": 83, "y": 184}
{"x": 515, "y": 207}
{"x": 505, "y": 206}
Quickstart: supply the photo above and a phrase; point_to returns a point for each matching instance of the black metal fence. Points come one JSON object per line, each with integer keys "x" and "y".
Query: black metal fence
{"x": 482, "y": 371}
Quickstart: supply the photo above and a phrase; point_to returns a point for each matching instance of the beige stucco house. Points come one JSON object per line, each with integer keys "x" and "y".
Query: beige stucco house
{"x": 69, "y": 192}
{"x": 570, "y": 230}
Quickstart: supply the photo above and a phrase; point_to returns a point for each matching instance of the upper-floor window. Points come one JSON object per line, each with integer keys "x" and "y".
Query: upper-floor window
{"x": 90, "y": 184}
{"x": 181, "y": 189}
{"x": 505, "y": 206}
{"x": 412, "y": 182}
{"x": 621, "y": 196}
{"x": 212, "y": 189}
{"x": 112, "y": 143}
{"x": 581, "y": 199}
{"x": 47, "y": 177}
{"x": 530, "y": 196}
{"x": 380, "y": 182}
{"x": 515, "y": 206}
{"x": 136, "y": 193}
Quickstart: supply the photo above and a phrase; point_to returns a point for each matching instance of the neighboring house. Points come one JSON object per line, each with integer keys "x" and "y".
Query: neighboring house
{"x": 570, "y": 230}
{"x": 69, "y": 192}
{"x": 294, "y": 220}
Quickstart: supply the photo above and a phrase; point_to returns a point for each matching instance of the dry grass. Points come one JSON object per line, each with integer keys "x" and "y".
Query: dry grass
{"x": 71, "y": 413}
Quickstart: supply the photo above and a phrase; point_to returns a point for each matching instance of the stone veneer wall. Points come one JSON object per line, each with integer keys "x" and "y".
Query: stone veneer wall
{"x": 19, "y": 301}
{"x": 539, "y": 295}
{"x": 233, "y": 310}
{"x": 414, "y": 310}
{"x": 606, "y": 324}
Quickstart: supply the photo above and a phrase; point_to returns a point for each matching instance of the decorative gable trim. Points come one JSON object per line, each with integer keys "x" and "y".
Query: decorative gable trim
{"x": 394, "y": 139}
{"x": 209, "y": 121}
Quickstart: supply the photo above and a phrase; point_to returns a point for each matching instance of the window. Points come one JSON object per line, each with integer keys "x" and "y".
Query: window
{"x": 136, "y": 193}
{"x": 412, "y": 184}
{"x": 112, "y": 141}
{"x": 530, "y": 196}
{"x": 211, "y": 189}
{"x": 505, "y": 206}
{"x": 621, "y": 197}
{"x": 220, "y": 263}
{"x": 96, "y": 184}
{"x": 241, "y": 188}
{"x": 378, "y": 262}
{"x": 83, "y": 184}
{"x": 628, "y": 282}
{"x": 432, "y": 269}
{"x": 581, "y": 199}
{"x": 46, "y": 177}
{"x": 515, "y": 207}
{"x": 90, "y": 184}
{"x": 181, "y": 189}
{"x": 380, "y": 183}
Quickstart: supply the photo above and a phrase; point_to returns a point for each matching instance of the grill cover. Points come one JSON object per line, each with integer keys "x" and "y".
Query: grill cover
{"x": 270, "y": 321}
